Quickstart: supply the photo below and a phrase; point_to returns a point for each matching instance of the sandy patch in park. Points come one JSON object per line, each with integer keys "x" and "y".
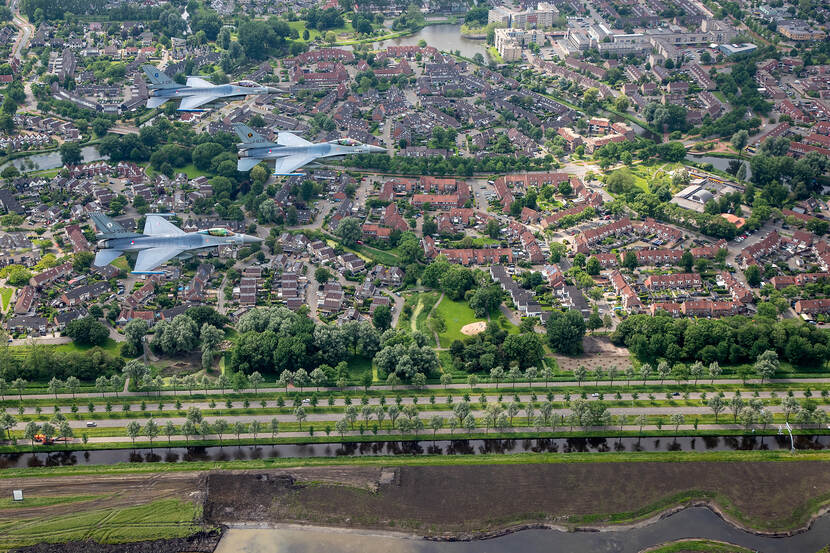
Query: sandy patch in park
{"x": 474, "y": 328}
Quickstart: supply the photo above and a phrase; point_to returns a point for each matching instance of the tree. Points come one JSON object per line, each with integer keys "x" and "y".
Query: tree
{"x": 275, "y": 427}
{"x": 687, "y": 260}
{"x": 714, "y": 370}
{"x": 789, "y": 405}
{"x": 753, "y": 275}
{"x": 322, "y": 275}
{"x": 19, "y": 384}
{"x": 716, "y": 404}
{"x": 349, "y": 231}
{"x": 630, "y": 260}
{"x": 7, "y": 422}
{"x": 73, "y": 384}
{"x": 169, "y": 430}
{"x": 592, "y": 267}
{"x": 382, "y": 317}
{"x": 54, "y": 386}
{"x": 645, "y": 371}
{"x": 767, "y": 364}
{"x": 71, "y": 153}
{"x": 739, "y": 141}
{"x": 134, "y": 332}
{"x": 565, "y": 331}
{"x": 300, "y": 414}
{"x": 151, "y": 430}
{"x": 32, "y": 429}
{"x": 580, "y": 373}
{"x": 133, "y": 430}
{"x": 677, "y": 419}
{"x": 82, "y": 260}
{"x": 87, "y": 331}
{"x": 663, "y": 370}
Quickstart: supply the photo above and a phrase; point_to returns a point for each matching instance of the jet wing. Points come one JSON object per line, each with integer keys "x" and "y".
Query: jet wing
{"x": 291, "y": 139}
{"x": 245, "y": 164}
{"x": 151, "y": 258}
{"x": 105, "y": 257}
{"x": 155, "y": 101}
{"x": 156, "y": 226}
{"x": 190, "y": 103}
{"x": 288, "y": 164}
{"x": 198, "y": 82}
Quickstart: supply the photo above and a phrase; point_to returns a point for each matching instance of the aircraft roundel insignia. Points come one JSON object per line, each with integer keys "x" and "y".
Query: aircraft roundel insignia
{"x": 156, "y": 75}
{"x": 250, "y": 135}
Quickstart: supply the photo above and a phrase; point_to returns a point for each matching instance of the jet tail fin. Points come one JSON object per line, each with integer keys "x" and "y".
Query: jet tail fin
{"x": 158, "y": 78}
{"x": 250, "y": 137}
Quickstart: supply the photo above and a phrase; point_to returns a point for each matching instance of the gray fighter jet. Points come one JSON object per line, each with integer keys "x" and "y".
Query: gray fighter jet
{"x": 161, "y": 242}
{"x": 197, "y": 92}
{"x": 290, "y": 152}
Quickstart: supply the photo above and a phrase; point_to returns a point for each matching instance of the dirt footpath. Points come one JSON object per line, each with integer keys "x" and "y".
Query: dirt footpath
{"x": 473, "y": 499}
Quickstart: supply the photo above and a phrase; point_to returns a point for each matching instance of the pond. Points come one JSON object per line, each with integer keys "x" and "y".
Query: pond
{"x": 51, "y": 160}
{"x": 720, "y": 163}
{"x": 446, "y": 38}
{"x": 232, "y": 452}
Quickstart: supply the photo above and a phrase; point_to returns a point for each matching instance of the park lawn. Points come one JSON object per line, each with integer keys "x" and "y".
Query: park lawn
{"x": 456, "y": 314}
{"x": 167, "y": 518}
{"x": 5, "y": 297}
{"x": 427, "y": 301}
{"x": 494, "y": 54}
{"x": 300, "y": 26}
{"x": 111, "y": 346}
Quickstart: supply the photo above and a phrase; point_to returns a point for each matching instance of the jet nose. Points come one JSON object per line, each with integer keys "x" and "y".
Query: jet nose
{"x": 376, "y": 149}
{"x": 246, "y": 239}
{"x": 272, "y": 90}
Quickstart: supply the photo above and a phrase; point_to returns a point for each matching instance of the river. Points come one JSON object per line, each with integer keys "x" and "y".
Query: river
{"x": 51, "y": 160}
{"x": 696, "y": 522}
{"x": 231, "y": 452}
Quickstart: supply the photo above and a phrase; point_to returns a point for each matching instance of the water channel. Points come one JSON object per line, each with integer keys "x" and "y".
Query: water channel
{"x": 446, "y": 38}
{"x": 696, "y": 522}
{"x": 50, "y": 160}
{"x": 720, "y": 163}
{"x": 232, "y": 452}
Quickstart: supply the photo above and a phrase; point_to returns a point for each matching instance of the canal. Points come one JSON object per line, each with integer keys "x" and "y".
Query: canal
{"x": 232, "y": 452}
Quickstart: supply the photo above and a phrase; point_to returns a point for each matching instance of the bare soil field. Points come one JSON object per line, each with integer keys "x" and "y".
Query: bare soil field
{"x": 479, "y": 499}
{"x": 599, "y": 352}
{"x": 203, "y": 542}
{"x": 110, "y": 491}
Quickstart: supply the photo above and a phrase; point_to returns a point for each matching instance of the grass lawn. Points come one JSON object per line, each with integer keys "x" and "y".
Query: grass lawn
{"x": 121, "y": 264}
{"x": 300, "y": 26}
{"x": 494, "y": 54}
{"x": 5, "y": 297}
{"x": 456, "y": 314}
{"x": 427, "y": 301}
{"x": 168, "y": 518}
{"x": 28, "y": 502}
{"x": 111, "y": 346}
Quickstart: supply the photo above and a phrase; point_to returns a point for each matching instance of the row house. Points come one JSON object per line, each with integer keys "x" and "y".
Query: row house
{"x": 709, "y": 308}
{"x": 553, "y": 219}
{"x": 534, "y": 251}
{"x": 82, "y": 294}
{"x": 788, "y": 108}
{"x": 50, "y": 275}
{"x": 470, "y": 256}
{"x": 782, "y": 281}
{"x": 679, "y": 280}
{"x": 630, "y": 300}
{"x": 321, "y": 251}
{"x": 812, "y": 307}
{"x": 371, "y": 230}
{"x": 751, "y": 254}
{"x": 665, "y": 232}
{"x": 194, "y": 291}
{"x": 591, "y": 236}
{"x": 672, "y": 308}
{"x": 440, "y": 201}
{"x": 25, "y": 300}
{"x": 708, "y": 252}
{"x": 659, "y": 257}
{"x": 739, "y": 292}
{"x": 142, "y": 294}
{"x": 351, "y": 262}
{"x": 607, "y": 260}
{"x": 127, "y": 314}
{"x": 555, "y": 276}
{"x": 24, "y": 324}
{"x": 523, "y": 299}
{"x": 77, "y": 238}
{"x": 393, "y": 219}
{"x": 387, "y": 276}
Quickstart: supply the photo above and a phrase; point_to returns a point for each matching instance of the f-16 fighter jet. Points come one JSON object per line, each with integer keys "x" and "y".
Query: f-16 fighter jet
{"x": 197, "y": 92}
{"x": 290, "y": 152}
{"x": 161, "y": 242}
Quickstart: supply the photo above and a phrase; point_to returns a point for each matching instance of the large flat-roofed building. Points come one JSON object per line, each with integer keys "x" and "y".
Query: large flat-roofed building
{"x": 509, "y": 42}
{"x": 540, "y": 18}
{"x": 734, "y": 49}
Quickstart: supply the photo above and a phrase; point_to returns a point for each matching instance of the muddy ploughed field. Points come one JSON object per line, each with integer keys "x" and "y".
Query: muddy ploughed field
{"x": 471, "y": 499}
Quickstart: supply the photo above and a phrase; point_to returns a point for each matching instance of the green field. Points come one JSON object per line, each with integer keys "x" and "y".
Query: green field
{"x": 5, "y": 297}
{"x": 169, "y": 518}
{"x": 121, "y": 264}
{"x": 28, "y": 502}
{"x": 313, "y": 34}
{"x": 456, "y": 314}
{"x": 111, "y": 346}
